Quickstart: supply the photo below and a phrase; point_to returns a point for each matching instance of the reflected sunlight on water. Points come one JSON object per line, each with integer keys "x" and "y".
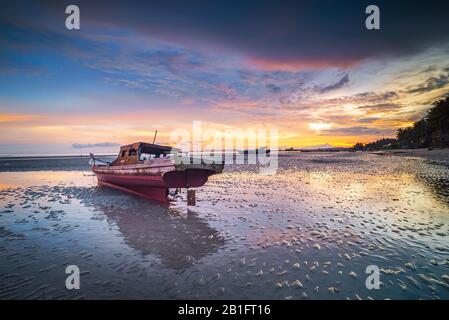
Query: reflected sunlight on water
{"x": 37, "y": 178}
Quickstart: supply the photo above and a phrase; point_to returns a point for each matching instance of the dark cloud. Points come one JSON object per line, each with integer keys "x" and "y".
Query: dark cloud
{"x": 366, "y": 99}
{"x": 433, "y": 83}
{"x": 376, "y": 96}
{"x": 359, "y": 131}
{"x": 310, "y": 32}
{"x": 273, "y": 88}
{"x": 95, "y": 145}
{"x": 337, "y": 85}
{"x": 368, "y": 120}
{"x": 382, "y": 107}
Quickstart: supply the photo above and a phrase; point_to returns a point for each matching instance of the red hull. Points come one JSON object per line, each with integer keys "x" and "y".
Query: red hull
{"x": 155, "y": 187}
{"x": 152, "y": 178}
{"x": 150, "y": 187}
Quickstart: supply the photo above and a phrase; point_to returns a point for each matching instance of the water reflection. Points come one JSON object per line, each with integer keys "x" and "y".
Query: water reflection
{"x": 23, "y": 164}
{"x": 435, "y": 177}
{"x": 319, "y": 223}
{"x": 16, "y": 179}
{"x": 178, "y": 237}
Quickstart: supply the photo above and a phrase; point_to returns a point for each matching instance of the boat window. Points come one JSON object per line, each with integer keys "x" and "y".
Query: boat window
{"x": 123, "y": 153}
{"x": 132, "y": 152}
{"x": 149, "y": 156}
{"x": 146, "y": 156}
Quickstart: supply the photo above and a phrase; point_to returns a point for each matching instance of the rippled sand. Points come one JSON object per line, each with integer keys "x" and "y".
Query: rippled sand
{"x": 307, "y": 232}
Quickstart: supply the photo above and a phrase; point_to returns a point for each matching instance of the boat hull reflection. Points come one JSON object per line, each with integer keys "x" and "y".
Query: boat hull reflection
{"x": 179, "y": 238}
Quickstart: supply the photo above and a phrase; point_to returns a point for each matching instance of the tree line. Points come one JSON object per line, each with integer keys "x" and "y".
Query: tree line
{"x": 431, "y": 131}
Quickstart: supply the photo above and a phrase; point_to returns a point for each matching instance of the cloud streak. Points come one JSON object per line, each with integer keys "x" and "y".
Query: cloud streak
{"x": 94, "y": 145}
{"x": 431, "y": 84}
{"x": 335, "y": 86}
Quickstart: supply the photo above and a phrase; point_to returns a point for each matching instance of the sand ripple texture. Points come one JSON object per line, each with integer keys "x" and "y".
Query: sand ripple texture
{"x": 307, "y": 232}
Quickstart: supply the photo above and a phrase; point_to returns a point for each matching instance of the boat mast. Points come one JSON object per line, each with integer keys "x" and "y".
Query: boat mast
{"x": 155, "y": 134}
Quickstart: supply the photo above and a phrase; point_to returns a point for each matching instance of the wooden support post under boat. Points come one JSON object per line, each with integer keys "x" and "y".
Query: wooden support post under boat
{"x": 191, "y": 200}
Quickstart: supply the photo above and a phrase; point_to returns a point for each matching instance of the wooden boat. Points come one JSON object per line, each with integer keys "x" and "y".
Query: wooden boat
{"x": 149, "y": 170}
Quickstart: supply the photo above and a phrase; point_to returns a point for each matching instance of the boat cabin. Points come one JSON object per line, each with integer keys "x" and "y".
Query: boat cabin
{"x": 140, "y": 151}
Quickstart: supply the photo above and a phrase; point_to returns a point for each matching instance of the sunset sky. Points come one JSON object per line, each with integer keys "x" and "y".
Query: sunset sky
{"x": 307, "y": 68}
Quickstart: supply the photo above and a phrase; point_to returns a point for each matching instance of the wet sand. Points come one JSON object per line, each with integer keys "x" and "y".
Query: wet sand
{"x": 307, "y": 232}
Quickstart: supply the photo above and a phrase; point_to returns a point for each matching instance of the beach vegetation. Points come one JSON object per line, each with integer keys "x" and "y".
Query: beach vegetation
{"x": 431, "y": 131}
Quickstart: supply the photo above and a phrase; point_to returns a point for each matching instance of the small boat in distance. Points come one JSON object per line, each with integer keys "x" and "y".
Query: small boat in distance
{"x": 149, "y": 170}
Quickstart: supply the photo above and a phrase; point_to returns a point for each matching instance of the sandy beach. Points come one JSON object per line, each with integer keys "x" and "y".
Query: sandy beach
{"x": 307, "y": 232}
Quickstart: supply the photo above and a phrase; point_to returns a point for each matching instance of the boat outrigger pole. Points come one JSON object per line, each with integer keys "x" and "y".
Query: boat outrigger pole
{"x": 92, "y": 157}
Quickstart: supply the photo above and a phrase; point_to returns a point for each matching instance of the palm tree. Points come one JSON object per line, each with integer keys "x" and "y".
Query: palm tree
{"x": 438, "y": 116}
{"x": 438, "y": 119}
{"x": 431, "y": 130}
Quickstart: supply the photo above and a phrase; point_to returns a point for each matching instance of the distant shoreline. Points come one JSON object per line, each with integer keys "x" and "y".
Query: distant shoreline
{"x": 43, "y": 157}
{"x": 438, "y": 155}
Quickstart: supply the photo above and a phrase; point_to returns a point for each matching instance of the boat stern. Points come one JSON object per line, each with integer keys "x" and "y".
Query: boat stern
{"x": 191, "y": 175}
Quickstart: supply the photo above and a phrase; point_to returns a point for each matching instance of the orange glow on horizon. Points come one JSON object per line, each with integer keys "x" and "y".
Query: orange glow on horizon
{"x": 8, "y": 117}
{"x": 296, "y": 65}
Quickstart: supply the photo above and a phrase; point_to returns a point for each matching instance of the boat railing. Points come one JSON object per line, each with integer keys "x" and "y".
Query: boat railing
{"x": 93, "y": 161}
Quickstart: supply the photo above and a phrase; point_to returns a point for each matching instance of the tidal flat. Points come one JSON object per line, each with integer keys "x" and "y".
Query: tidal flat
{"x": 307, "y": 232}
